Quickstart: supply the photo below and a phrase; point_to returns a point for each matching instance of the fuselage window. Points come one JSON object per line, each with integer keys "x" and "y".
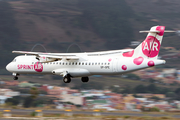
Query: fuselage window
{"x": 72, "y": 63}
{"x": 89, "y": 63}
{"x": 66, "y": 63}
{"x": 95, "y": 63}
{"x": 86, "y": 63}
{"x": 82, "y": 63}
{"x": 108, "y": 63}
{"x": 76, "y": 63}
{"x": 104, "y": 63}
{"x": 98, "y": 63}
{"x": 79, "y": 63}
{"x": 59, "y": 63}
{"x": 101, "y": 63}
{"x": 92, "y": 63}
{"x": 69, "y": 63}
{"x": 56, "y": 62}
{"x": 62, "y": 63}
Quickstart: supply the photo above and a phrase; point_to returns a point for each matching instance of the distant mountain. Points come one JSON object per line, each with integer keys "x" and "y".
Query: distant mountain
{"x": 91, "y": 24}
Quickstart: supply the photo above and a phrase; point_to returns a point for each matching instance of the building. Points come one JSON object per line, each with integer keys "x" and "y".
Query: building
{"x": 75, "y": 99}
{"x": 8, "y": 93}
{"x": 3, "y": 99}
{"x": 148, "y": 95}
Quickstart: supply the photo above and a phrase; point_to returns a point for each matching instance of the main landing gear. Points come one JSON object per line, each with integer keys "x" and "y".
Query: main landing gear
{"x": 67, "y": 78}
{"x": 84, "y": 79}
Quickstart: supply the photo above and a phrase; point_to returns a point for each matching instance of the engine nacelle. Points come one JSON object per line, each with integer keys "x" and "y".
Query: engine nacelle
{"x": 76, "y": 72}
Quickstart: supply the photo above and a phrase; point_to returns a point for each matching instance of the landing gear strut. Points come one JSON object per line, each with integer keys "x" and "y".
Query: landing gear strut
{"x": 84, "y": 79}
{"x": 67, "y": 78}
{"x": 15, "y": 76}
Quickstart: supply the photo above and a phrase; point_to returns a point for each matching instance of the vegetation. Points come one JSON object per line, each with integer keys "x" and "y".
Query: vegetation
{"x": 14, "y": 101}
{"x": 34, "y": 92}
{"x": 112, "y": 21}
{"x": 173, "y": 94}
{"x": 30, "y": 101}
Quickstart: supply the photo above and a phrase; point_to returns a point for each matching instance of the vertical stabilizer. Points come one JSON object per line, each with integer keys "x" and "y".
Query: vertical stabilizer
{"x": 150, "y": 47}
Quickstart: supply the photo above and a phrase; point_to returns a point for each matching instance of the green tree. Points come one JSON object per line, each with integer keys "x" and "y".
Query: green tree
{"x": 154, "y": 109}
{"x": 34, "y": 92}
{"x": 35, "y": 103}
{"x": 127, "y": 89}
{"x": 14, "y": 100}
{"x": 170, "y": 94}
{"x": 155, "y": 98}
{"x": 152, "y": 88}
{"x": 28, "y": 102}
{"x": 140, "y": 89}
{"x": 177, "y": 91}
{"x": 133, "y": 76}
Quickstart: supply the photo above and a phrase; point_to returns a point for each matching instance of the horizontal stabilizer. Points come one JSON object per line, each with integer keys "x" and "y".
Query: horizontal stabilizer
{"x": 147, "y": 31}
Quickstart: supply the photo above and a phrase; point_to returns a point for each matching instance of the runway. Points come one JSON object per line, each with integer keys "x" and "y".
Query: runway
{"x": 139, "y": 114}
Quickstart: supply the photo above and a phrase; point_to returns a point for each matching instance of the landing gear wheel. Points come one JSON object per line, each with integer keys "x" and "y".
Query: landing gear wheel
{"x": 67, "y": 79}
{"x": 84, "y": 79}
{"x": 15, "y": 78}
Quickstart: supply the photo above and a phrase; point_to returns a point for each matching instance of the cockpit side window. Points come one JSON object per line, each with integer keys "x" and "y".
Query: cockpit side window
{"x": 14, "y": 60}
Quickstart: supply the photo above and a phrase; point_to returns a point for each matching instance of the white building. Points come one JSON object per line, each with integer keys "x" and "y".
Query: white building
{"x": 7, "y": 93}
{"x": 3, "y": 99}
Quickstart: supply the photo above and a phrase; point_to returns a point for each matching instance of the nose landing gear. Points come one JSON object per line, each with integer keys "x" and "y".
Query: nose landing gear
{"x": 15, "y": 76}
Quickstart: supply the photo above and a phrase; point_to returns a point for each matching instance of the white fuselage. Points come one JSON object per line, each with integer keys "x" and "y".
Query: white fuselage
{"x": 92, "y": 65}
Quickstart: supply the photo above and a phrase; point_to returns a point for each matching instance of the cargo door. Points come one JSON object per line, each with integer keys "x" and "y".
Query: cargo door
{"x": 115, "y": 65}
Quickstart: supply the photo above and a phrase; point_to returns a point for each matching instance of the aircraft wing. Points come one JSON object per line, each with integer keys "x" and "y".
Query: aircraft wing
{"x": 26, "y": 52}
{"x": 52, "y": 56}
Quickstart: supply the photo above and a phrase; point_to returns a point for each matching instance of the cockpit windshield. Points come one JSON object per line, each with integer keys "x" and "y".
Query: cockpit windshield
{"x": 14, "y": 60}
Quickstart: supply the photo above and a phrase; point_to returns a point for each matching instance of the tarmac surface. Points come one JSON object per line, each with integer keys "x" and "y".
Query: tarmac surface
{"x": 28, "y": 112}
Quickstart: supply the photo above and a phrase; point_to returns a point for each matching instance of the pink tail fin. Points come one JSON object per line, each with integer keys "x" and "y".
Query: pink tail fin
{"x": 150, "y": 47}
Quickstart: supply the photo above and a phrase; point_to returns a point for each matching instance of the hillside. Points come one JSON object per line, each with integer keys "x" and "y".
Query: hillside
{"x": 58, "y": 23}
{"x": 158, "y": 12}
{"x": 92, "y": 24}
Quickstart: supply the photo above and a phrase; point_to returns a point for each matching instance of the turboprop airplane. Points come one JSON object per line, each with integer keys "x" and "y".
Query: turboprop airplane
{"x": 70, "y": 65}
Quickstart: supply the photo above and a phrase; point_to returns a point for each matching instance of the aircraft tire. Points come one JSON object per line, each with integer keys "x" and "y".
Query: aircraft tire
{"x": 67, "y": 79}
{"x": 85, "y": 79}
{"x": 15, "y": 78}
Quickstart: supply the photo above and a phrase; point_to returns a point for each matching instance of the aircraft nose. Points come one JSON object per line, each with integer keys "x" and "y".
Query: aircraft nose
{"x": 9, "y": 67}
